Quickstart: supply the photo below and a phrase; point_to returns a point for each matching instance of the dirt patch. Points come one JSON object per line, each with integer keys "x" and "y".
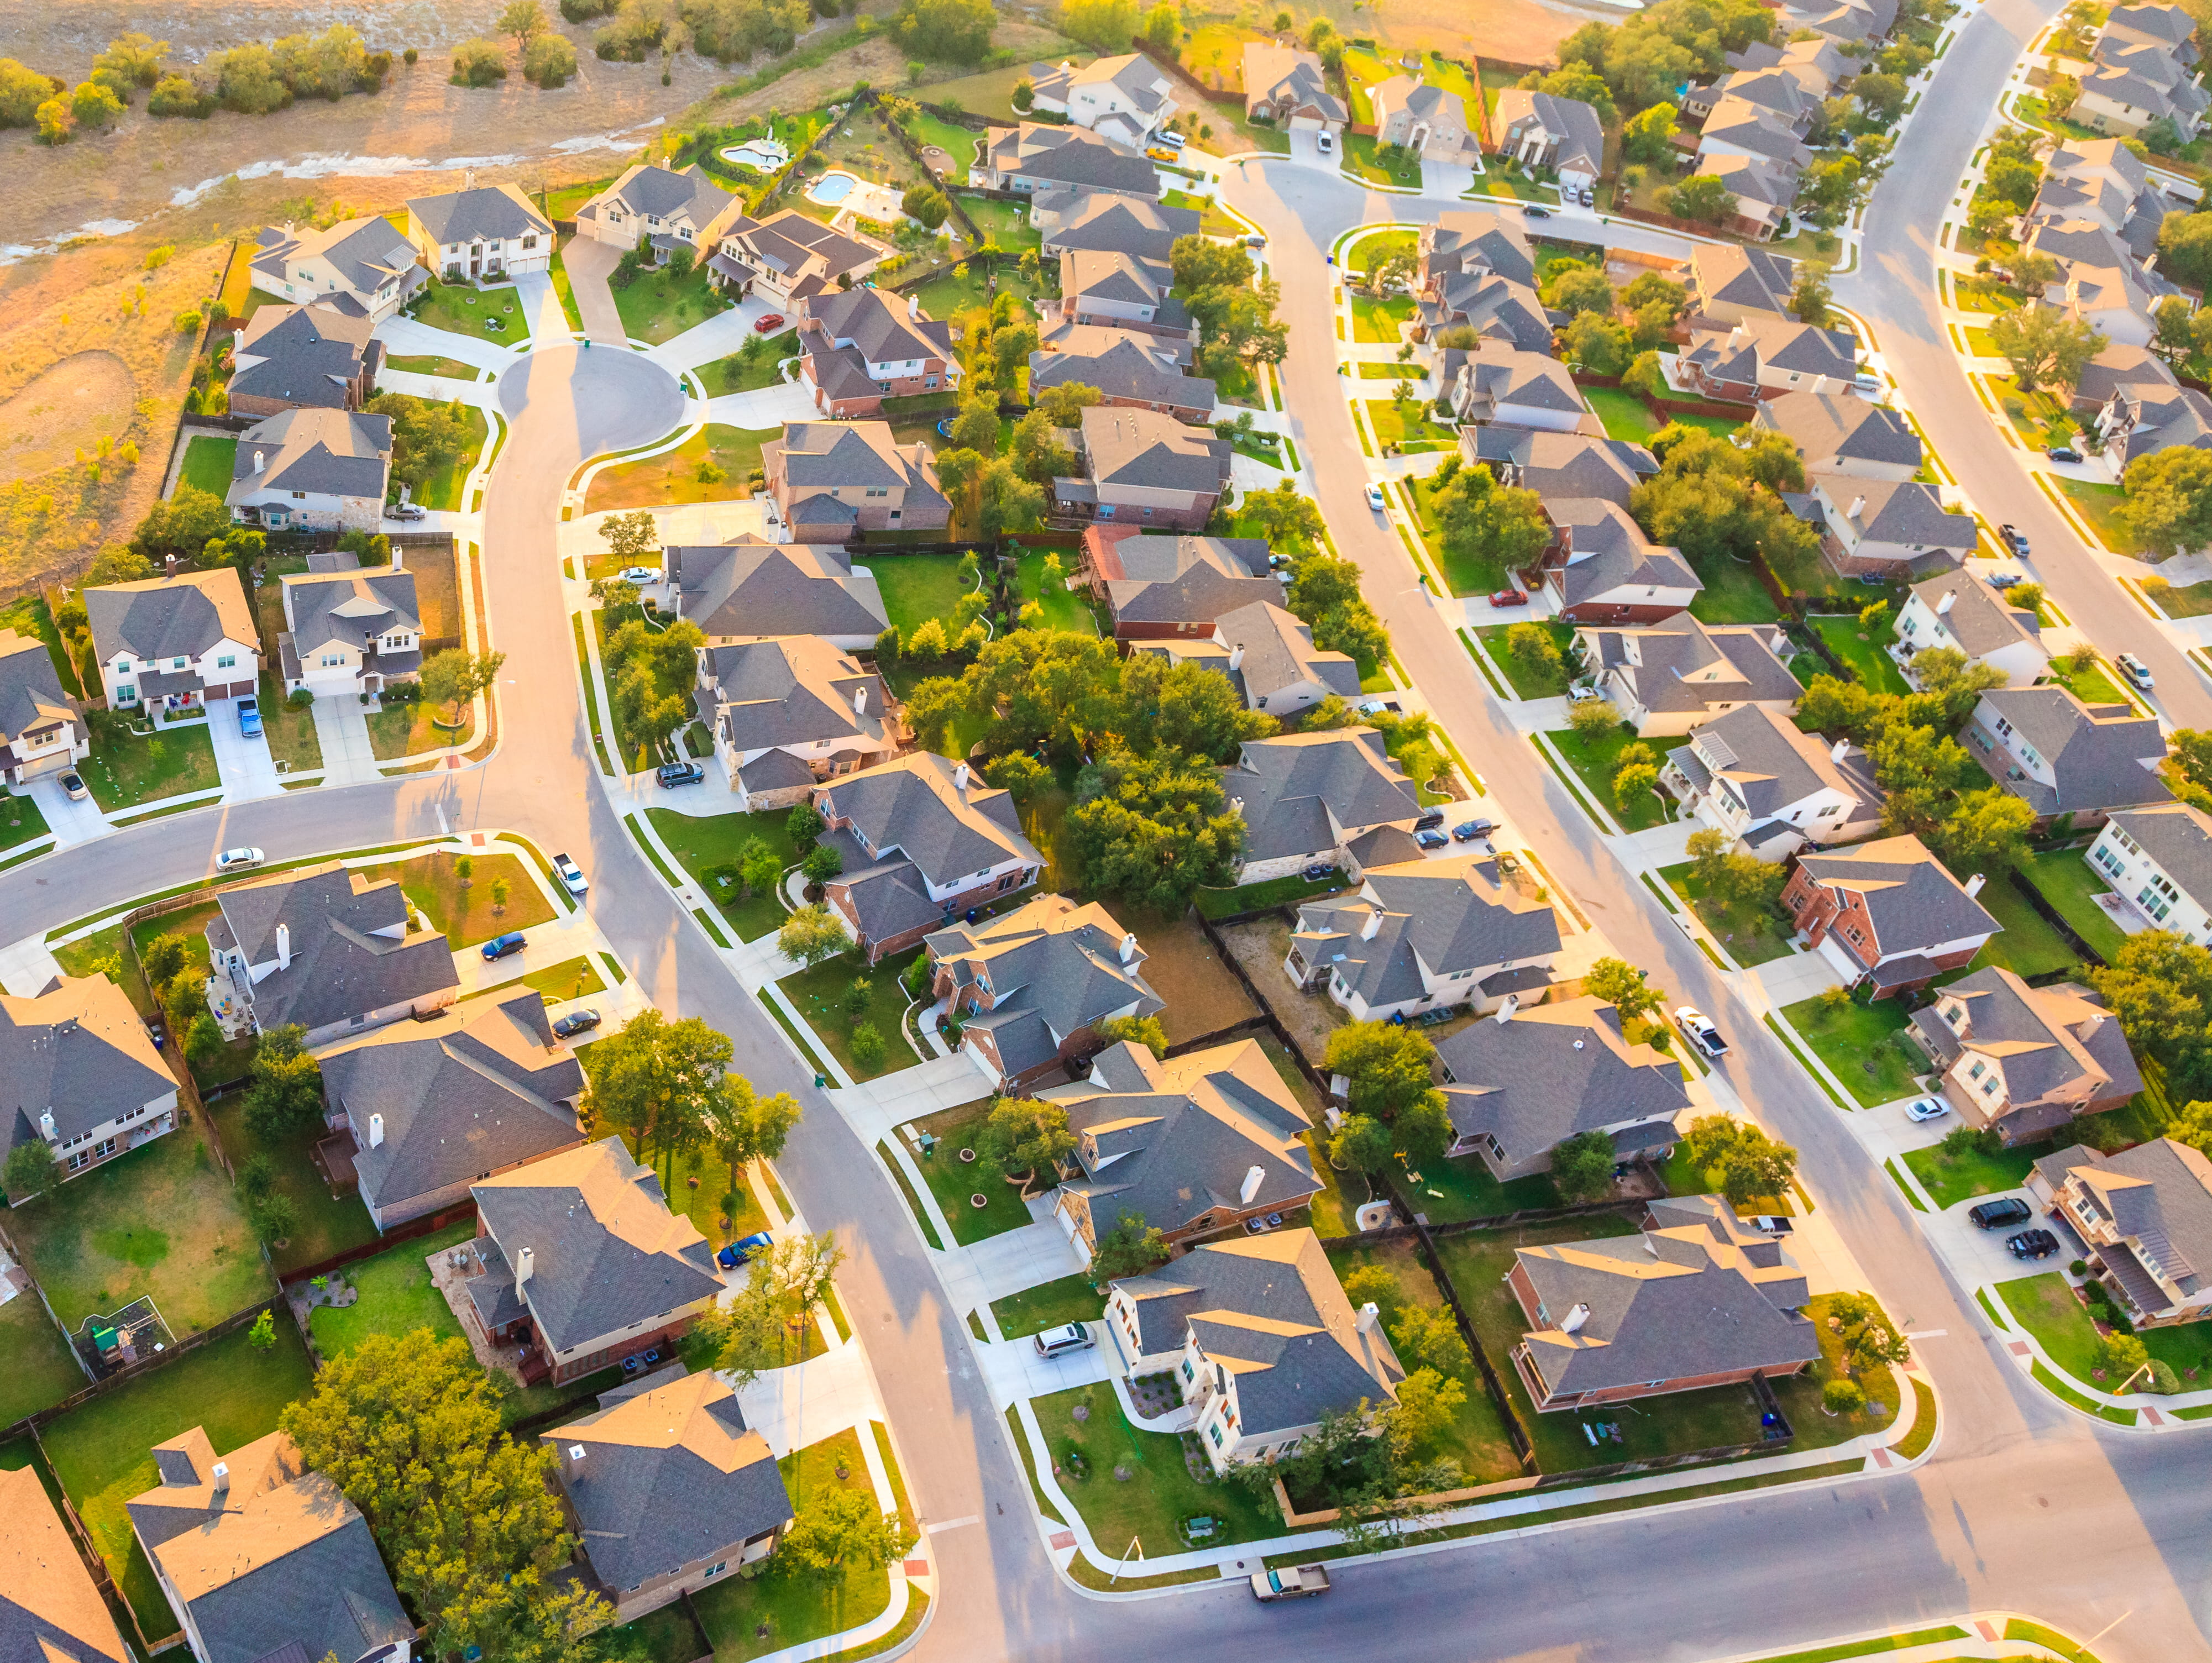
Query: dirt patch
{"x": 1261, "y": 946}
{"x": 67, "y": 408}
{"x": 1202, "y": 993}
{"x": 437, "y": 593}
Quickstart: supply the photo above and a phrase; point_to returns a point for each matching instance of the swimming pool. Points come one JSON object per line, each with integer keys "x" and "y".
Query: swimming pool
{"x": 832, "y": 187}
{"x": 763, "y": 155}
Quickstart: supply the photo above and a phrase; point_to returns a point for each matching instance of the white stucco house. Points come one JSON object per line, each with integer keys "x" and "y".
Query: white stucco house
{"x": 492, "y": 231}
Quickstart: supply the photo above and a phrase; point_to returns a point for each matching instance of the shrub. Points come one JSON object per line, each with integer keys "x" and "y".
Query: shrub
{"x": 1842, "y": 1397}
{"x": 868, "y": 1047}
{"x": 549, "y": 60}
{"x": 481, "y": 62}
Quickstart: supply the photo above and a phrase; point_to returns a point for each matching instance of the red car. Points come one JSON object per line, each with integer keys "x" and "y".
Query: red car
{"x": 769, "y": 324}
{"x": 1509, "y": 598}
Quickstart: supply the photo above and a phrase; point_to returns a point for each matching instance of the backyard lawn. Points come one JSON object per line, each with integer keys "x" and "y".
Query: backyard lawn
{"x": 174, "y": 761}
{"x": 160, "y": 1221}
{"x": 410, "y": 727}
{"x": 1064, "y": 608}
{"x": 442, "y": 488}
{"x": 673, "y": 478}
{"x": 1408, "y": 423}
{"x": 1380, "y": 320}
{"x": 1004, "y": 224}
{"x": 1185, "y": 968}
{"x": 1049, "y": 1305}
{"x": 918, "y": 587}
{"x": 41, "y": 1368}
{"x": 1625, "y": 415}
{"x": 1733, "y": 594}
{"x": 818, "y": 996}
{"x": 1861, "y": 652}
{"x": 992, "y": 93}
{"x": 2048, "y": 1309}
{"x": 659, "y": 305}
{"x": 1446, "y": 1191}
{"x": 957, "y": 141}
{"x": 1161, "y": 1494}
{"x": 328, "y": 1224}
{"x": 2066, "y": 879}
{"x": 464, "y": 915}
{"x": 29, "y": 615}
{"x": 1950, "y": 1179}
{"x": 1863, "y": 1046}
{"x": 2028, "y": 946}
{"x": 208, "y": 463}
{"x": 102, "y": 1452}
{"x": 955, "y": 1182}
{"x": 707, "y": 846}
{"x": 1751, "y": 935}
{"x": 490, "y": 315}
{"x": 1267, "y": 893}
{"x": 1529, "y": 680}
{"x": 397, "y": 1296}
{"x": 1595, "y": 763}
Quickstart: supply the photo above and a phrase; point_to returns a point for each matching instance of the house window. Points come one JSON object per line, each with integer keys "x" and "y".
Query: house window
{"x": 1186, "y": 1374}
{"x": 227, "y": 661}
{"x": 126, "y": 695}
{"x": 1214, "y": 1432}
{"x": 330, "y": 659}
{"x": 531, "y": 241}
{"x": 179, "y": 664}
{"x": 715, "y": 1570}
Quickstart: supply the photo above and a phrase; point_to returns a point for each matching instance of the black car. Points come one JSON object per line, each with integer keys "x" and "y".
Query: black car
{"x": 2032, "y": 1244}
{"x": 1429, "y": 819}
{"x": 1995, "y": 1215}
{"x": 1532, "y": 212}
{"x": 670, "y": 774}
{"x": 576, "y": 1022}
{"x": 2063, "y": 453}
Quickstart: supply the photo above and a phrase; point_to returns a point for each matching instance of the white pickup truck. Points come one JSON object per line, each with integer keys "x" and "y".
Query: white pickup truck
{"x": 1289, "y": 1583}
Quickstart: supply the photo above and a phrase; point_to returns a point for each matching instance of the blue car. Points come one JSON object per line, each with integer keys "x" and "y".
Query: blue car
{"x": 249, "y": 716}
{"x": 1432, "y": 839}
{"x": 501, "y": 946}
{"x": 739, "y": 1251}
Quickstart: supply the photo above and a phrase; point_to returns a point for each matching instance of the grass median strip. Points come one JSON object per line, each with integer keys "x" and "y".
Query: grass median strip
{"x": 1914, "y": 1444}
{"x": 2066, "y": 1395}
{"x": 1028, "y": 1467}
{"x": 906, "y": 1189}
{"x": 1890, "y": 1166}
{"x": 653, "y": 854}
{"x": 1981, "y": 1298}
{"x": 713, "y": 930}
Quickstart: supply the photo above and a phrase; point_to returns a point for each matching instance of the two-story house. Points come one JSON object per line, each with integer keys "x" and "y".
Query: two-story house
{"x": 1421, "y": 115}
{"x": 351, "y": 633}
{"x": 1558, "y": 464}
{"x": 42, "y": 730}
{"x": 788, "y": 711}
{"x": 2144, "y": 68}
{"x": 2028, "y": 1061}
{"x": 1472, "y": 240}
{"x": 2145, "y": 1215}
{"x": 1964, "y": 613}
{"x": 787, "y": 258}
{"x": 1764, "y": 186}
{"x": 2148, "y": 417}
{"x": 1071, "y": 219}
{"x": 1889, "y": 528}
{"x": 1030, "y": 986}
{"x": 312, "y": 470}
{"x": 1269, "y": 656}
{"x": 1505, "y": 385}
{"x": 1730, "y": 283}
{"x": 1888, "y": 913}
{"x": 481, "y": 231}
{"x": 2159, "y": 862}
{"x": 326, "y": 949}
{"x": 1034, "y": 156}
{"x": 1600, "y": 569}
{"x": 747, "y": 589}
{"x": 297, "y": 357}
{"x": 1132, "y": 370}
{"x": 174, "y": 642}
{"x": 1763, "y": 357}
{"x": 1162, "y": 587}
{"x": 660, "y": 210}
{"x": 1538, "y": 130}
{"x": 1837, "y": 431}
{"x": 1262, "y": 1339}
{"x": 859, "y": 350}
{"x": 582, "y": 1264}
{"x": 1126, "y": 98}
{"x": 1751, "y": 775}
{"x": 829, "y": 481}
{"x": 1667, "y": 677}
{"x": 1122, "y": 289}
{"x": 81, "y": 1076}
{"x": 1334, "y": 797}
{"x": 1288, "y": 89}
{"x": 1498, "y": 309}
{"x": 1143, "y": 468}
{"x": 2061, "y": 756}
{"x": 1193, "y": 1146}
{"x": 366, "y": 265}
{"x": 922, "y": 839}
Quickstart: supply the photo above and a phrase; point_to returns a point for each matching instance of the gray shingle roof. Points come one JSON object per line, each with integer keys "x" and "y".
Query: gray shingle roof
{"x": 309, "y": 354}
{"x": 1277, "y": 652}
{"x": 884, "y": 334}
{"x": 1147, "y": 449}
{"x": 353, "y": 608}
{"x": 1301, "y": 794}
{"x": 1560, "y": 465}
{"x": 2096, "y": 757}
{"x": 1903, "y": 511}
{"x": 365, "y": 253}
{"x": 1683, "y": 663}
{"x": 1070, "y": 156}
{"x": 1842, "y": 424}
{"x": 1765, "y": 759}
{"x": 1495, "y": 307}
{"x": 1911, "y": 897}
{"x": 31, "y": 696}
{"x": 488, "y": 211}
{"x": 2158, "y": 1194}
{"x": 1468, "y": 238}
{"x": 1608, "y": 552}
{"x": 911, "y": 806}
{"x": 1574, "y": 124}
{"x": 161, "y": 618}
{"x": 792, "y": 689}
{"x": 1185, "y": 579}
{"x": 1980, "y": 621}
{"x": 77, "y": 1052}
{"x": 1129, "y": 368}
{"x": 2177, "y": 836}
{"x": 342, "y": 965}
{"x": 665, "y": 194}
{"x": 2121, "y": 367}
{"x": 50, "y": 1611}
{"x": 331, "y": 452}
{"x": 1051, "y": 967}
{"x": 1128, "y": 225}
{"x": 2058, "y": 1047}
{"x": 608, "y": 1254}
{"x": 1449, "y": 918}
{"x": 1734, "y": 274}
{"x": 751, "y": 589}
{"x": 1552, "y": 1072}
{"x": 1525, "y": 378}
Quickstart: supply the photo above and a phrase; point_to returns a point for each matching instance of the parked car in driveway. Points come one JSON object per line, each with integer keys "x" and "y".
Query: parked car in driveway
{"x": 767, "y": 324}
{"x": 1995, "y": 1215}
{"x": 74, "y": 787}
{"x": 239, "y": 860}
{"x": 2006, "y": 580}
{"x": 671, "y": 774}
{"x": 571, "y": 875}
{"x": 577, "y": 1021}
{"x": 249, "y": 716}
{"x": 1927, "y": 1108}
{"x": 741, "y": 1250}
{"x": 2032, "y": 1244}
{"x": 1069, "y": 1337}
{"x": 1429, "y": 819}
{"x": 2063, "y": 453}
{"x": 405, "y": 511}
{"x": 1509, "y": 598}
{"x": 1432, "y": 839}
{"x": 1467, "y": 830}
{"x": 1328, "y": 144}
{"x": 1291, "y": 1582}
{"x": 1769, "y": 1223}
{"x": 641, "y": 576}
{"x": 500, "y": 947}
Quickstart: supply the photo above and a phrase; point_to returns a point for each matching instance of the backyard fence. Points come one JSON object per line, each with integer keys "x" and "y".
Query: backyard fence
{"x": 185, "y": 1343}
{"x": 118, "y": 1608}
{"x": 429, "y": 1224}
{"x": 1222, "y": 95}
{"x": 2050, "y": 914}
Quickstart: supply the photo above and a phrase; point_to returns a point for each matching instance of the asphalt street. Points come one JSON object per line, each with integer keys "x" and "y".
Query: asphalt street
{"x": 2023, "y": 1507}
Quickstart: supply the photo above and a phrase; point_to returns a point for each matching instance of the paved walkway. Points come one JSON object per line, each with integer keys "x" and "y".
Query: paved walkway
{"x": 589, "y": 263}
{"x": 26, "y": 967}
{"x": 484, "y": 395}
{"x": 1800, "y": 976}
{"x": 343, "y": 726}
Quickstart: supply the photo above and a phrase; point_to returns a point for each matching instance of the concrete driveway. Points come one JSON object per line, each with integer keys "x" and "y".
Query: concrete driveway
{"x": 247, "y": 769}
{"x": 589, "y": 263}
{"x": 1305, "y": 150}
{"x": 542, "y": 305}
{"x": 1012, "y": 1368}
{"x": 69, "y": 821}
{"x": 342, "y": 725}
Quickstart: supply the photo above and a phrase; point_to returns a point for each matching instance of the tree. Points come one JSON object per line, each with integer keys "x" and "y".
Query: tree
{"x": 31, "y": 1169}
{"x": 1283, "y": 516}
{"x": 2160, "y": 985}
{"x": 1808, "y": 294}
{"x": 1425, "y": 1337}
{"x": 1986, "y": 830}
{"x": 1703, "y": 197}
{"x": 1645, "y": 375}
{"x": 164, "y": 957}
{"x": 1106, "y": 25}
{"x": 1363, "y": 1143}
{"x": 925, "y": 204}
{"x": 633, "y": 539}
{"x": 93, "y": 104}
{"x": 665, "y": 1083}
{"x": 23, "y": 89}
{"x": 1163, "y": 27}
{"x": 1024, "y": 1138}
{"x": 1388, "y": 1067}
{"x": 1623, "y": 986}
{"x": 1739, "y": 1159}
{"x": 478, "y": 62}
{"x": 1573, "y": 287}
{"x": 273, "y": 1218}
{"x": 2169, "y": 499}
{"x": 1633, "y": 783}
{"x": 183, "y": 526}
{"x": 1426, "y": 1404}
{"x": 1130, "y": 1249}
{"x": 262, "y": 1336}
{"x": 823, "y": 862}
{"x": 1582, "y": 1167}
{"x": 1831, "y": 187}
{"x": 1063, "y": 403}
{"x": 1593, "y": 718}
{"x": 750, "y": 1127}
{"x": 287, "y": 1092}
{"x": 1599, "y": 345}
{"x": 1870, "y": 1339}
{"x": 522, "y": 19}
{"x": 456, "y": 676}
{"x": 812, "y": 934}
{"x": 1842, "y": 1397}
{"x": 1532, "y": 644}
{"x": 1147, "y": 1031}
{"x": 840, "y": 1531}
{"x": 548, "y": 62}
{"x": 1647, "y": 135}
{"x": 203, "y": 1040}
{"x": 1154, "y": 828}
{"x": 2045, "y": 345}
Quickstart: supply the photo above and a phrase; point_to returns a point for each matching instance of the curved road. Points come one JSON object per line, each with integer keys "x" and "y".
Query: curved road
{"x": 2024, "y": 1506}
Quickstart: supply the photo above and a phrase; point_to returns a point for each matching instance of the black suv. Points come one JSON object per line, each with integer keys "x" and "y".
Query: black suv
{"x": 2033, "y": 1244}
{"x": 1429, "y": 819}
{"x": 1993, "y": 1214}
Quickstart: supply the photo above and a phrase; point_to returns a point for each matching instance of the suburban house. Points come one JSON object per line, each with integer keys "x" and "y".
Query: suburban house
{"x": 481, "y": 231}
{"x": 1600, "y": 569}
{"x": 1667, "y": 677}
{"x": 1262, "y": 1340}
{"x": 1126, "y": 97}
{"x": 1193, "y": 1146}
{"x": 829, "y": 481}
{"x": 1269, "y": 657}
{"x": 1764, "y": 357}
{"x": 1476, "y": 240}
{"x": 1516, "y": 389}
{"x": 922, "y": 839}
{"x": 1837, "y": 431}
{"x": 1558, "y": 464}
{"x": 2143, "y": 68}
{"x": 81, "y": 1076}
{"x": 788, "y": 257}
{"x": 261, "y": 1558}
{"x": 312, "y": 470}
{"x": 2120, "y": 368}
{"x": 670, "y": 1490}
{"x": 2145, "y": 1215}
{"x": 859, "y": 349}
{"x": 1429, "y": 935}
{"x": 1334, "y": 797}
{"x": 2025, "y": 1061}
{"x": 1167, "y": 586}
{"x": 583, "y": 1265}
{"x": 1539, "y": 130}
{"x": 1698, "y": 1299}
{"x": 1772, "y": 789}
{"x": 1764, "y": 188}
{"x": 1036, "y": 156}
{"x": 1887, "y": 914}
{"x": 1498, "y": 309}
{"x": 302, "y": 357}
{"x": 1116, "y": 288}
{"x": 1287, "y": 88}
{"x": 365, "y": 266}
{"x": 1521, "y": 1084}
{"x": 743, "y": 590}
{"x": 51, "y": 1610}
{"x": 1887, "y": 527}
{"x": 1144, "y": 468}
{"x": 1074, "y": 220}
{"x": 1730, "y": 283}
{"x": 788, "y": 711}
{"x": 350, "y": 632}
{"x": 1960, "y": 611}
{"x": 326, "y": 949}
{"x": 2103, "y": 181}
{"x": 1133, "y": 371}
{"x": 42, "y": 728}
{"x": 2144, "y": 420}
{"x": 1747, "y": 128}
{"x": 2101, "y": 282}
{"x": 661, "y": 210}
{"x": 423, "y": 1110}
{"x": 1030, "y": 986}
{"x": 2061, "y": 756}
{"x": 1418, "y": 116}
{"x": 2159, "y": 862}
{"x": 176, "y": 641}
{"x": 1793, "y": 92}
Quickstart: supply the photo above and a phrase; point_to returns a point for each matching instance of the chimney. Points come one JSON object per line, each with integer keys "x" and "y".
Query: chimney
{"x": 1252, "y": 1180}
{"x": 1836, "y": 751}
{"x": 1370, "y": 1317}
{"x": 169, "y": 566}
{"x": 1373, "y": 927}
{"x": 914, "y": 306}
{"x": 921, "y": 454}
{"x": 376, "y": 1132}
{"x": 469, "y": 179}
{"x": 398, "y": 559}
{"x": 283, "y": 947}
{"x": 1506, "y": 1008}
{"x": 219, "y": 1479}
{"x": 1819, "y": 384}
{"x": 524, "y": 1262}
{"x": 861, "y": 700}
{"x": 1236, "y": 656}
{"x": 1575, "y": 1319}
{"x": 46, "y": 1126}
{"x": 1974, "y": 885}
{"x": 1950, "y": 599}
{"x": 960, "y": 779}
{"x": 1738, "y": 335}
{"x": 1129, "y": 947}
{"x": 1858, "y": 507}
{"x": 259, "y": 458}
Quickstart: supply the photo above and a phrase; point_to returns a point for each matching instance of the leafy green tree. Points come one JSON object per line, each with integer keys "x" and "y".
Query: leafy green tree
{"x": 868, "y": 1047}
{"x": 203, "y": 1040}
{"x": 1130, "y": 1249}
{"x": 1064, "y": 402}
{"x": 31, "y": 1170}
{"x": 522, "y": 19}
{"x": 1645, "y": 376}
{"x": 665, "y": 1083}
{"x": 2044, "y": 346}
{"x": 633, "y": 539}
{"x": 2169, "y": 498}
{"x": 1985, "y": 830}
{"x": 1582, "y": 1167}
{"x": 165, "y": 957}
{"x": 1024, "y": 1138}
{"x": 765, "y": 1326}
{"x": 183, "y": 525}
{"x": 1632, "y": 783}
{"x": 1647, "y": 137}
{"x": 478, "y": 62}
{"x": 812, "y": 934}
{"x": 1427, "y": 1337}
{"x": 1147, "y": 1031}
{"x": 1388, "y": 1067}
{"x": 262, "y": 1336}
{"x": 1809, "y": 297}
{"x": 2160, "y": 985}
{"x": 1574, "y": 287}
{"x": 1702, "y": 197}
{"x": 838, "y": 1531}
{"x": 823, "y": 862}
{"x": 1532, "y": 644}
{"x": 1362, "y": 1142}
{"x": 22, "y": 90}
{"x": 1104, "y": 25}
{"x": 93, "y": 104}
{"x": 1623, "y": 986}
{"x": 548, "y": 62}
{"x": 286, "y": 1089}
{"x": 1739, "y": 1159}
{"x": 1601, "y": 346}
{"x": 1153, "y": 829}
{"x": 1593, "y": 718}
{"x": 456, "y": 676}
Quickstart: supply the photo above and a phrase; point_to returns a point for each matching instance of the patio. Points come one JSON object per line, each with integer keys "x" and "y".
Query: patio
{"x": 452, "y": 1269}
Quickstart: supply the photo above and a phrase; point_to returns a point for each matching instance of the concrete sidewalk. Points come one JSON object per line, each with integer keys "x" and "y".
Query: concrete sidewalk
{"x": 813, "y": 1400}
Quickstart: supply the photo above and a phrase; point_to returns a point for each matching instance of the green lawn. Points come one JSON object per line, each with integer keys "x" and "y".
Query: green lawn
{"x": 174, "y": 761}
{"x": 956, "y": 141}
{"x": 1625, "y": 415}
{"x": 208, "y": 463}
{"x": 2028, "y": 945}
{"x": 660, "y": 306}
{"x": 956, "y": 1183}
{"x": 1528, "y": 681}
{"x": 698, "y": 1186}
{"x": 432, "y": 364}
{"x": 1446, "y": 1191}
{"x": 1467, "y": 572}
{"x": 459, "y": 308}
{"x": 464, "y": 915}
{"x": 408, "y": 729}
{"x": 707, "y": 847}
{"x": 2101, "y": 505}
{"x": 1733, "y": 594}
{"x": 41, "y": 1369}
{"x": 2192, "y": 600}
{"x": 1049, "y": 1305}
{"x": 1408, "y": 424}
{"x": 1363, "y": 161}
{"x": 818, "y": 995}
{"x": 1006, "y": 224}
{"x": 748, "y": 372}
{"x": 1951, "y": 1179}
{"x": 1212, "y": 221}
{"x": 2048, "y": 1309}
{"x": 1862, "y": 1047}
{"x": 329, "y": 1224}
{"x": 1751, "y": 936}
{"x": 712, "y": 465}
{"x": 1861, "y": 652}
{"x": 161, "y": 1220}
{"x": 291, "y": 733}
{"x": 2065, "y": 878}
{"x": 1160, "y": 1495}
{"x": 992, "y": 93}
{"x": 1269, "y": 892}
{"x": 442, "y": 488}
{"x": 397, "y": 1296}
{"x": 1800, "y": 1395}
{"x": 25, "y": 820}
{"x": 572, "y": 979}
{"x": 918, "y": 587}
{"x": 1064, "y": 608}
{"x": 1380, "y": 320}
{"x": 101, "y": 1452}
{"x": 2091, "y": 682}
{"x": 1595, "y": 763}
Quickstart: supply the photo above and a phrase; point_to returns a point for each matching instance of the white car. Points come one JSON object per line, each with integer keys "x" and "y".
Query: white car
{"x": 1328, "y": 144}
{"x": 640, "y": 574}
{"x": 1581, "y": 692}
{"x": 1927, "y": 1108}
{"x": 570, "y": 874}
{"x": 1699, "y": 1027}
{"x": 1375, "y": 497}
{"x": 239, "y": 860}
{"x": 2136, "y": 670}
